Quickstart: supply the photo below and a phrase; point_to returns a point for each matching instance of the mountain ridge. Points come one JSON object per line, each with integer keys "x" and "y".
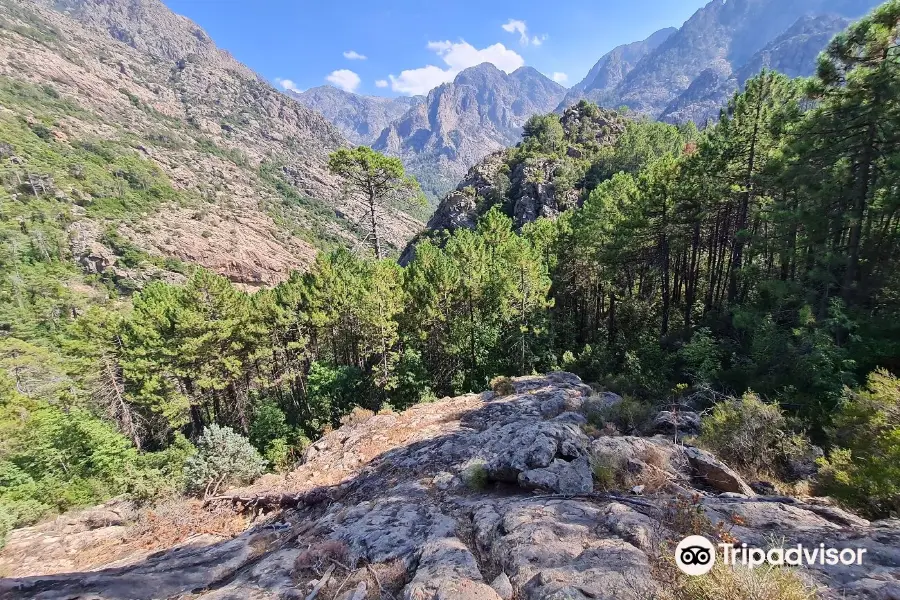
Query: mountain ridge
{"x": 482, "y": 110}
{"x": 250, "y": 162}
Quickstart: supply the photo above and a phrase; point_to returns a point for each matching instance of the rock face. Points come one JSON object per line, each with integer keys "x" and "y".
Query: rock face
{"x": 732, "y": 31}
{"x": 481, "y": 111}
{"x": 384, "y": 505}
{"x": 612, "y": 68}
{"x": 360, "y": 118}
{"x": 793, "y": 53}
{"x": 134, "y": 73}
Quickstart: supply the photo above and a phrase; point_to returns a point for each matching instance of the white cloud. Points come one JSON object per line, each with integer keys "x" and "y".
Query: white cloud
{"x": 559, "y": 77}
{"x": 517, "y": 26}
{"x": 382, "y": 83}
{"x": 354, "y": 55}
{"x": 345, "y": 79}
{"x": 287, "y": 84}
{"x": 457, "y": 56}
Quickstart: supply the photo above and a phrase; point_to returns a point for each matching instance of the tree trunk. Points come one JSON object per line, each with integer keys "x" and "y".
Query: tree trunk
{"x": 373, "y": 217}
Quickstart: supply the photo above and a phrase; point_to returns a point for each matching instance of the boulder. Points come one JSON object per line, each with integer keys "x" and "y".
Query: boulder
{"x": 711, "y": 472}
{"x": 668, "y": 422}
{"x": 503, "y": 586}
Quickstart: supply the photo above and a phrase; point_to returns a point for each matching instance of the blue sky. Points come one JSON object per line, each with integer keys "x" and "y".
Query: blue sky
{"x": 410, "y": 46}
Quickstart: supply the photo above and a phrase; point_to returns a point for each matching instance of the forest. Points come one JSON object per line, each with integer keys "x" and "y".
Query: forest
{"x": 756, "y": 254}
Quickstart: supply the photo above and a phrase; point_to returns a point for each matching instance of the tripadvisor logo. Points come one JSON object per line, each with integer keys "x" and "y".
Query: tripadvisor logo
{"x": 696, "y": 555}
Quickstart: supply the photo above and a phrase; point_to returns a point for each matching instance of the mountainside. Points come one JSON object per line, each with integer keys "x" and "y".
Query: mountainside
{"x": 793, "y": 53}
{"x": 612, "y": 68}
{"x": 459, "y": 123}
{"x": 127, "y": 82}
{"x": 477, "y": 497}
{"x": 534, "y": 179}
{"x": 723, "y": 36}
{"x": 360, "y": 118}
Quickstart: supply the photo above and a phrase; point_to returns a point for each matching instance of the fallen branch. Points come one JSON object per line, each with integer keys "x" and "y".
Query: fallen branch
{"x": 268, "y": 502}
{"x": 315, "y": 591}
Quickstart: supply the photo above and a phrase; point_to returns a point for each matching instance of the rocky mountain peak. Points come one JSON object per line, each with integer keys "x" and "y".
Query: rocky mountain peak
{"x": 481, "y": 111}
{"x": 146, "y": 25}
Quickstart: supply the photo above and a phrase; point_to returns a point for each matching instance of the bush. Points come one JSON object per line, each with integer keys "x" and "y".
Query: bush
{"x": 628, "y": 416}
{"x": 475, "y": 476}
{"x": 863, "y": 470}
{"x": 159, "y": 474}
{"x": 411, "y": 382}
{"x": 269, "y": 424}
{"x": 733, "y": 583}
{"x": 357, "y": 416}
{"x": 6, "y": 525}
{"x": 503, "y": 386}
{"x": 223, "y": 458}
{"x": 746, "y": 433}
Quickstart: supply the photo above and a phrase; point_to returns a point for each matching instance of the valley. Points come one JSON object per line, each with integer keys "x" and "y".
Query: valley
{"x": 501, "y": 340}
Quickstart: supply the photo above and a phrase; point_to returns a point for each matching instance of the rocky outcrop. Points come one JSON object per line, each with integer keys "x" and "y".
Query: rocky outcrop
{"x": 474, "y": 497}
{"x": 526, "y": 190}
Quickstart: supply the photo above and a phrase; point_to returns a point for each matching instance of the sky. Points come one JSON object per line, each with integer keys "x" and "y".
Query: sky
{"x": 407, "y": 47}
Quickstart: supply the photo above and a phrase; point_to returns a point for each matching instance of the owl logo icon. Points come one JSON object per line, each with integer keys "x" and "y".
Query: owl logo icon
{"x": 695, "y": 555}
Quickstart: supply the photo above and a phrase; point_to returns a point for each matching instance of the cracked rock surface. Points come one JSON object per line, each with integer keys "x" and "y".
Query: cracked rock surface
{"x": 478, "y": 497}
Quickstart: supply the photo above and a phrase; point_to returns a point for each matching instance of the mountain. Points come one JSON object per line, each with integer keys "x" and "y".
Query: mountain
{"x": 528, "y": 181}
{"x": 239, "y": 171}
{"x": 482, "y": 110}
{"x": 793, "y": 53}
{"x": 722, "y": 36}
{"x": 611, "y": 69}
{"x": 360, "y": 118}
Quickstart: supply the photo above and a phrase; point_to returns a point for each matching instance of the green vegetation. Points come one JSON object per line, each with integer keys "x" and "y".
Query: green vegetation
{"x": 377, "y": 178}
{"x": 864, "y": 468}
{"x": 223, "y": 459}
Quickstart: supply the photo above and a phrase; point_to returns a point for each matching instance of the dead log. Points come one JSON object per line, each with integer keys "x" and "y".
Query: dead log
{"x": 270, "y": 502}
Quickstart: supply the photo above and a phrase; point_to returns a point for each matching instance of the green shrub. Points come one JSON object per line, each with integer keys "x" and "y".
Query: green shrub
{"x": 160, "y": 474}
{"x": 411, "y": 382}
{"x": 224, "y": 458}
{"x": 745, "y": 432}
{"x": 6, "y": 525}
{"x": 503, "y": 386}
{"x": 863, "y": 469}
{"x": 628, "y": 416}
{"x": 475, "y": 476}
{"x": 607, "y": 469}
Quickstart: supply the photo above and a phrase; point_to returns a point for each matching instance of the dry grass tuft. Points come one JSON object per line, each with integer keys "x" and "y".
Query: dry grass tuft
{"x": 615, "y": 473}
{"x": 357, "y": 416}
{"x": 171, "y": 522}
{"x": 320, "y": 555}
{"x": 503, "y": 386}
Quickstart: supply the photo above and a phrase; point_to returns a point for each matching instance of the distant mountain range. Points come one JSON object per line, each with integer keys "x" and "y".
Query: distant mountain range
{"x": 441, "y": 136}
{"x": 612, "y": 68}
{"x": 674, "y": 75}
{"x": 723, "y": 38}
{"x": 360, "y": 118}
